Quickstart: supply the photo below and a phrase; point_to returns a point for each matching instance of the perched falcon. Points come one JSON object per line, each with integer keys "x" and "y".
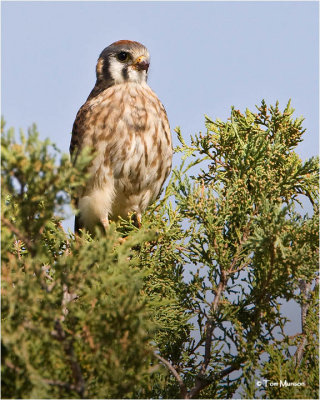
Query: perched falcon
{"x": 126, "y": 126}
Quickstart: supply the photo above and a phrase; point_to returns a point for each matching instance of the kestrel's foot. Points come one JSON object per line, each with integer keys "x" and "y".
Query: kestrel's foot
{"x": 105, "y": 223}
{"x": 137, "y": 220}
{"x": 139, "y": 223}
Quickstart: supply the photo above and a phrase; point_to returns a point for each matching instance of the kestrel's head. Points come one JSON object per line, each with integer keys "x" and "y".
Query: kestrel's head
{"x": 123, "y": 61}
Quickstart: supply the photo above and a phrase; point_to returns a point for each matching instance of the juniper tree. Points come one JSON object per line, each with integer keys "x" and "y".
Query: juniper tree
{"x": 190, "y": 304}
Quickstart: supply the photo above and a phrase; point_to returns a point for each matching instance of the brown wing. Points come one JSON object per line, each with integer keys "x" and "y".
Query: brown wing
{"x": 78, "y": 133}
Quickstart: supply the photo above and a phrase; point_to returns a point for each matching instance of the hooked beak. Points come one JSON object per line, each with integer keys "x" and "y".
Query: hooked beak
{"x": 141, "y": 63}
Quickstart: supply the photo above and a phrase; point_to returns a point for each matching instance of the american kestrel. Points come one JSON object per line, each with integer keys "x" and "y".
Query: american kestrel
{"x": 126, "y": 126}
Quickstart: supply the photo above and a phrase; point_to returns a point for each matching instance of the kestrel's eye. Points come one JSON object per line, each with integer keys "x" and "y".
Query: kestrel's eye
{"x": 123, "y": 56}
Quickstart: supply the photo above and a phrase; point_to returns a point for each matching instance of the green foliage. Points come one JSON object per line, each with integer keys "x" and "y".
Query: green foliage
{"x": 53, "y": 343}
{"x": 187, "y": 306}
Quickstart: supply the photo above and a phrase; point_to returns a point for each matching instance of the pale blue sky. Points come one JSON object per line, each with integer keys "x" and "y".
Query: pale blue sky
{"x": 205, "y": 57}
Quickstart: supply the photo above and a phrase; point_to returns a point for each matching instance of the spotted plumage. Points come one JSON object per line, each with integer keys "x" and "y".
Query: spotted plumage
{"x": 126, "y": 126}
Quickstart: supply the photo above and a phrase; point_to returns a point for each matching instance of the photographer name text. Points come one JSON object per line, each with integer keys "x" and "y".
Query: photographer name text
{"x": 284, "y": 383}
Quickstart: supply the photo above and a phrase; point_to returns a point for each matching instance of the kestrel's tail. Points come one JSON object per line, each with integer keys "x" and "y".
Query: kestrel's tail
{"x": 77, "y": 224}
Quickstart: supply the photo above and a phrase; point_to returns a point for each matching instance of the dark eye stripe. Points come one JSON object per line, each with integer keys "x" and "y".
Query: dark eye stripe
{"x": 125, "y": 73}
